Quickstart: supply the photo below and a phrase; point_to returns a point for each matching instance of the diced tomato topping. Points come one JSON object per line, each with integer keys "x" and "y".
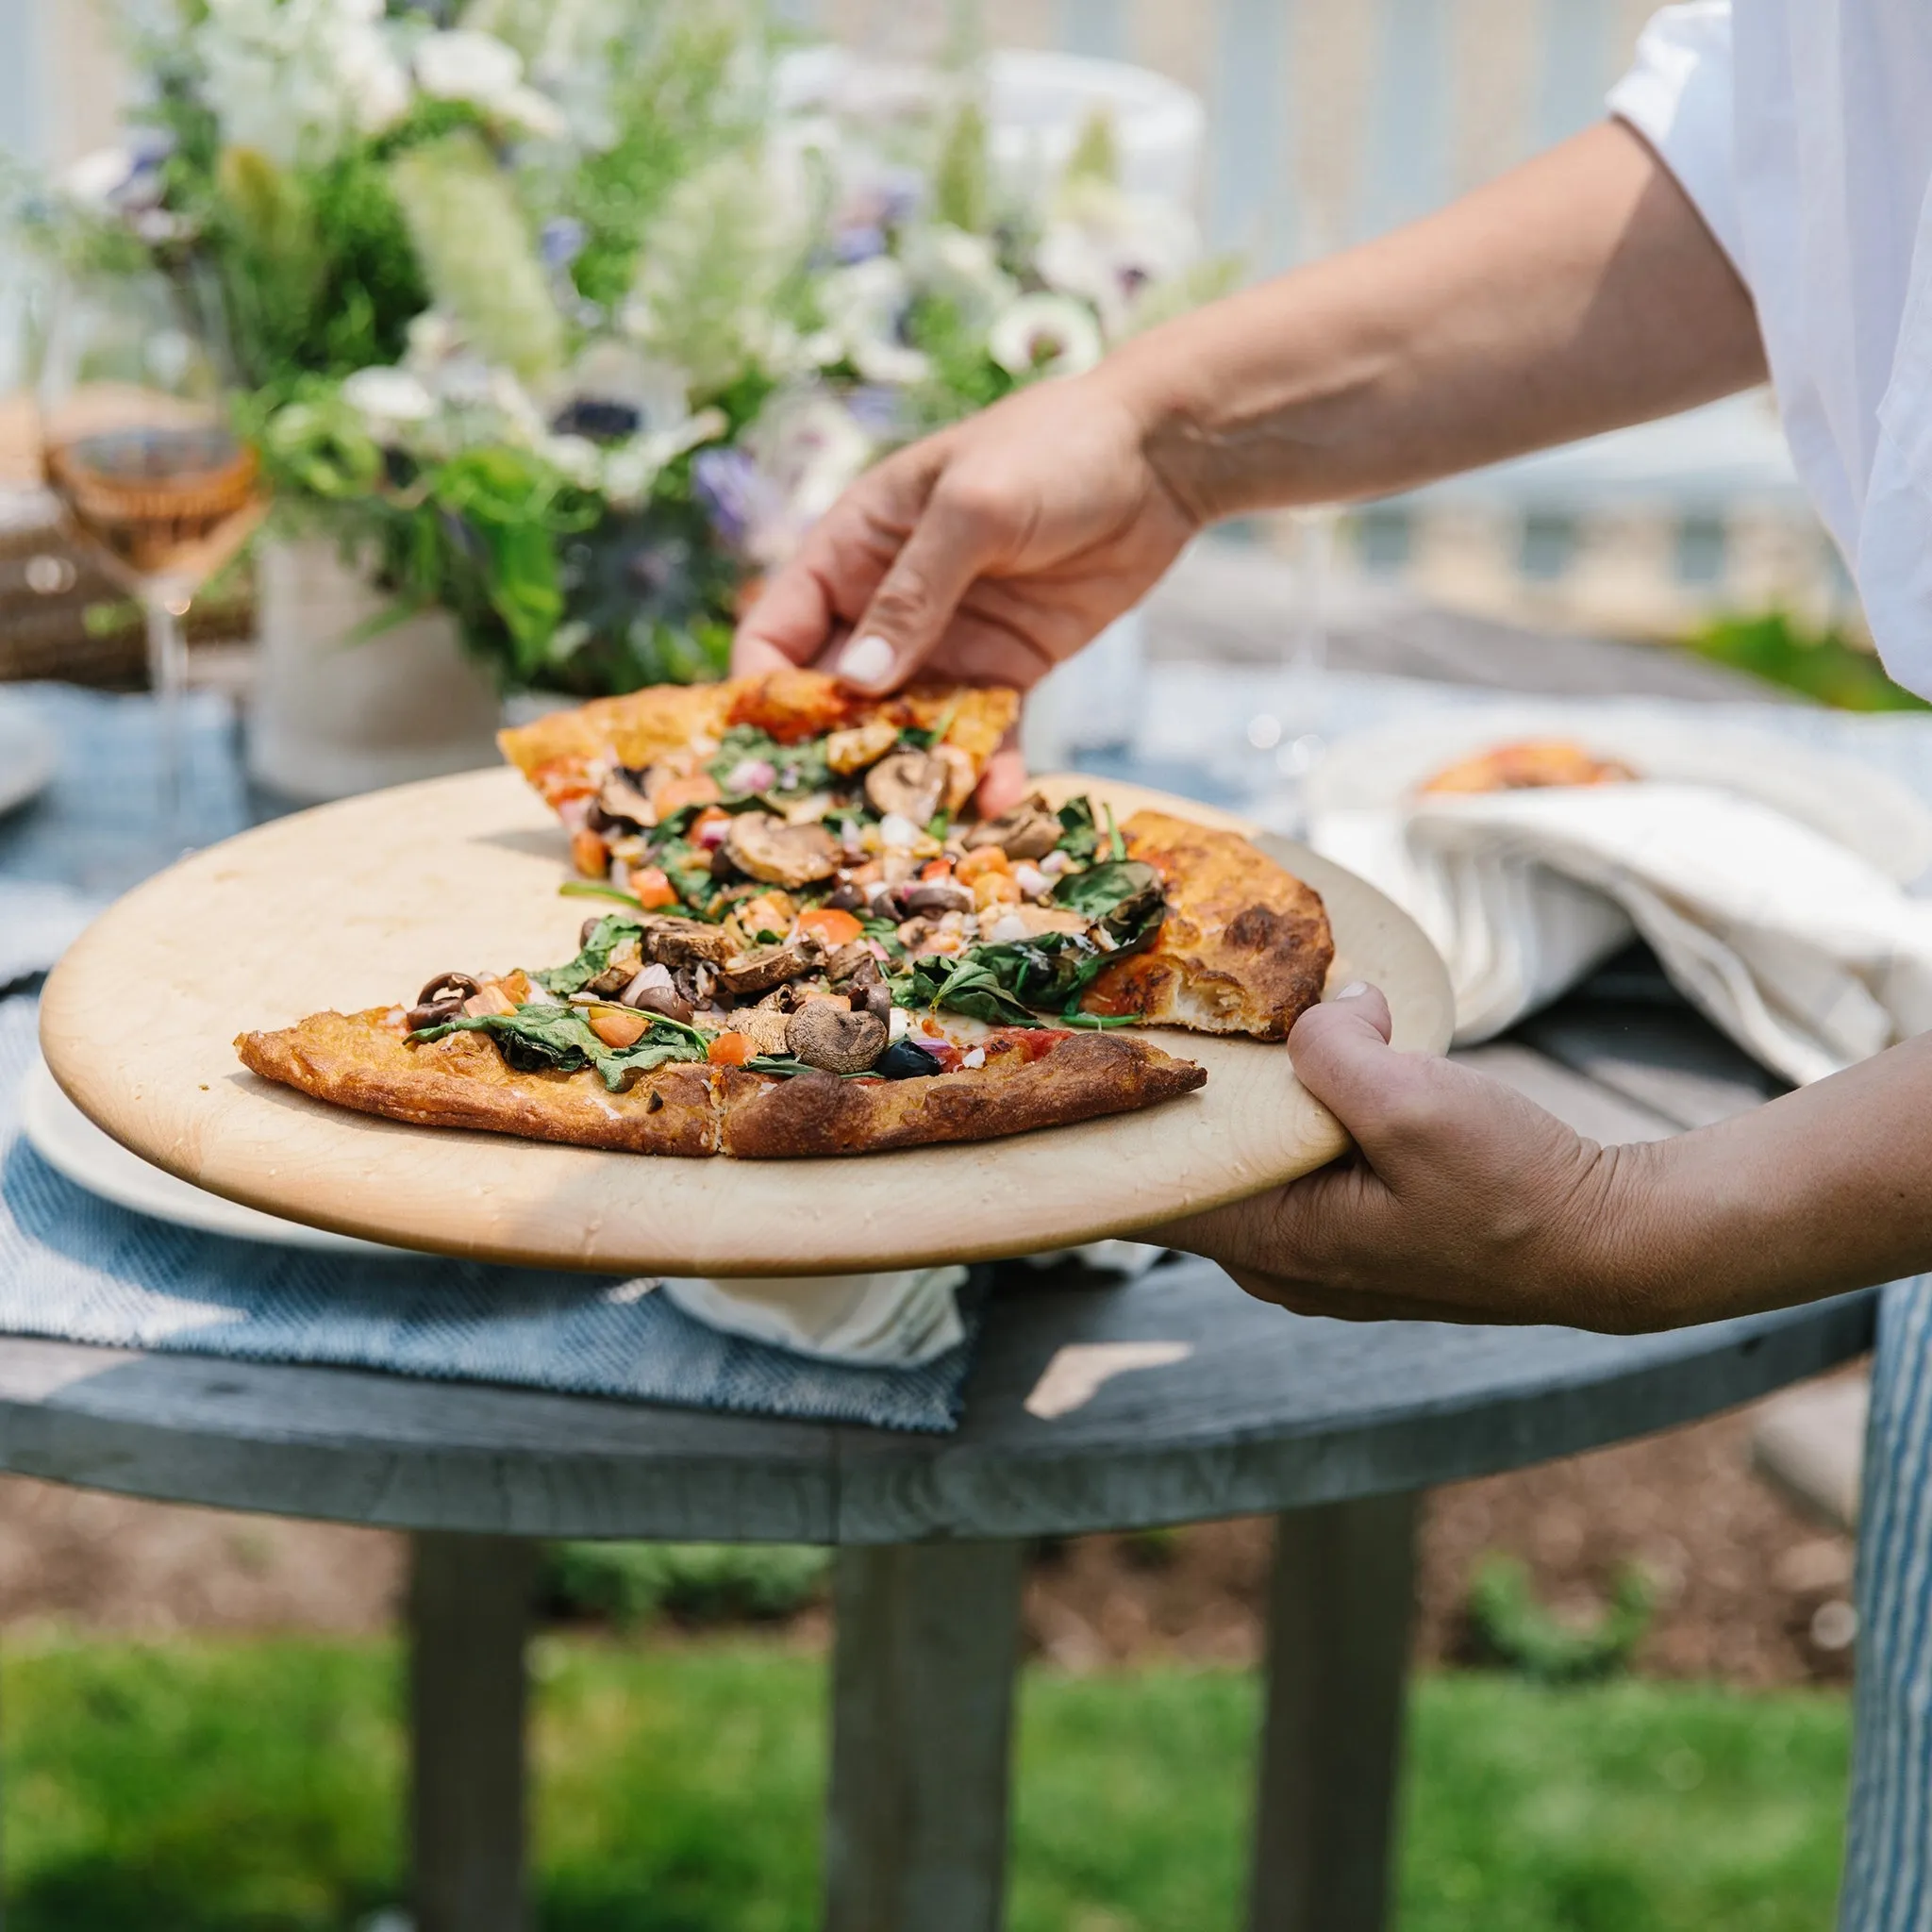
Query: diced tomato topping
{"x": 561, "y": 780}
{"x": 618, "y": 1027}
{"x": 730, "y": 1050}
{"x": 589, "y": 855}
{"x": 1030, "y": 1043}
{"x": 937, "y": 869}
{"x": 652, "y": 887}
{"x": 830, "y": 927}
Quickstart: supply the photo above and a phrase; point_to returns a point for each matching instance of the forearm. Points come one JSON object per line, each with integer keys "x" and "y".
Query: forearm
{"x": 1577, "y": 294}
{"x": 1826, "y": 1188}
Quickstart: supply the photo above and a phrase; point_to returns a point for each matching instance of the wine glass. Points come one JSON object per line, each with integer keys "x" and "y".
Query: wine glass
{"x": 136, "y": 444}
{"x": 1287, "y": 733}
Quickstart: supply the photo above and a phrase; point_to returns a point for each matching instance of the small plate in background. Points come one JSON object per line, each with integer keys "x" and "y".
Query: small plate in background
{"x": 71, "y": 1145}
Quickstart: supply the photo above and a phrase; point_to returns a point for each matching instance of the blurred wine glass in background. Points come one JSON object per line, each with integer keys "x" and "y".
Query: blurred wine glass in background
{"x": 1286, "y": 732}
{"x": 136, "y": 445}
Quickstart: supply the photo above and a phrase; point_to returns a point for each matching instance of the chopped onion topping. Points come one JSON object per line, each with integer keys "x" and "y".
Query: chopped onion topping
{"x": 897, "y": 833}
{"x": 1004, "y": 930}
{"x": 751, "y": 774}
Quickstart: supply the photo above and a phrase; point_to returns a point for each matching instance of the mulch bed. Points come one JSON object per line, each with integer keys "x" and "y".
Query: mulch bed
{"x": 1740, "y": 1577}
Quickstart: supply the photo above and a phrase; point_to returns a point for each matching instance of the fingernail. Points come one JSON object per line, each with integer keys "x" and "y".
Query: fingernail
{"x": 867, "y": 660}
{"x": 1354, "y": 990}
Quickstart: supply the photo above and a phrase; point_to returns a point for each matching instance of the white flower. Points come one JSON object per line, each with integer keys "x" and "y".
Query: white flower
{"x": 463, "y": 65}
{"x": 863, "y": 305}
{"x": 633, "y": 466}
{"x": 296, "y": 79}
{"x": 387, "y": 398}
{"x": 578, "y": 456}
{"x": 1107, "y": 247}
{"x": 808, "y": 447}
{"x": 961, "y": 268}
{"x": 1048, "y": 335}
{"x": 97, "y": 178}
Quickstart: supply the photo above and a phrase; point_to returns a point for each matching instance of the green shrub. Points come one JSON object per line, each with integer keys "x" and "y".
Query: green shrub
{"x": 1509, "y": 1627}
{"x": 1826, "y": 665}
{"x": 694, "y": 1583}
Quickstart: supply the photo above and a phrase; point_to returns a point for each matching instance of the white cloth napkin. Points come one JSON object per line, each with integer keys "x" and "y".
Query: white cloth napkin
{"x": 1801, "y": 950}
{"x": 896, "y": 1319}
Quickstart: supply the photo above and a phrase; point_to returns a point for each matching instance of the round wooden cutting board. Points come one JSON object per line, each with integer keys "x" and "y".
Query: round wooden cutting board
{"x": 356, "y": 904}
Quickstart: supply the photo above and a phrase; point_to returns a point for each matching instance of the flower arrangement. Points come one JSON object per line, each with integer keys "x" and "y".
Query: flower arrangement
{"x": 558, "y": 324}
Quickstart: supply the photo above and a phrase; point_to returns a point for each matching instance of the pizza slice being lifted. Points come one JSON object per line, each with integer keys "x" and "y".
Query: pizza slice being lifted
{"x": 813, "y": 948}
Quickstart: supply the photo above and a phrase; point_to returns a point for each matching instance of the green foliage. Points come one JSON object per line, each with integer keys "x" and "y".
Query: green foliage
{"x": 593, "y": 956}
{"x": 667, "y": 100}
{"x": 692, "y": 1583}
{"x": 1096, "y": 154}
{"x": 1510, "y": 1627}
{"x": 539, "y": 1038}
{"x": 964, "y": 377}
{"x": 477, "y": 254}
{"x": 1826, "y": 665}
{"x": 257, "y": 1787}
{"x": 962, "y": 182}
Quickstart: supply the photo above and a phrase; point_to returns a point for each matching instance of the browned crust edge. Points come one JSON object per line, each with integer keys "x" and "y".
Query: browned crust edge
{"x": 1082, "y": 1078}
{"x": 358, "y": 1061}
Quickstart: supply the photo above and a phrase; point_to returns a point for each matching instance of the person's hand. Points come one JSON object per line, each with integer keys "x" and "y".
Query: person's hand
{"x": 1464, "y": 1203}
{"x": 985, "y": 554}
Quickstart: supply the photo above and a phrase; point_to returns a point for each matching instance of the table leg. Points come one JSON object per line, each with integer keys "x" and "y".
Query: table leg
{"x": 1342, "y": 1604}
{"x": 921, "y": 1736}
{"x": 470, "y": 1600}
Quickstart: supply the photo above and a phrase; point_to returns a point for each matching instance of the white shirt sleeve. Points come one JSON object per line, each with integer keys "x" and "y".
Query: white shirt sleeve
{"x": 1678, "y": 96}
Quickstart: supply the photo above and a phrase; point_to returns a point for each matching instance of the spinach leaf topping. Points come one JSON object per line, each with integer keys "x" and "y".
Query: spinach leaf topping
{"x": 1080, "y": 833}
{"x": 1117, "y": 893}
{"x": 801, "y": 768}
{"x": 594, "y": 958}
{"x": 537, "y": 1039}
{"x": 1008, "y": 983}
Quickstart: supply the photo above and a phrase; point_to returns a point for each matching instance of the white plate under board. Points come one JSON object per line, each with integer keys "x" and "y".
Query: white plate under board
{"x": 71, "y": 1144}
{"x": 27, "y": 754}
{"x": 1865, "y": 810}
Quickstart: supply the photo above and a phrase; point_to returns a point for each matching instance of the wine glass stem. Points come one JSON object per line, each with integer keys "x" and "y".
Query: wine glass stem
{"x": 167, "y": 673}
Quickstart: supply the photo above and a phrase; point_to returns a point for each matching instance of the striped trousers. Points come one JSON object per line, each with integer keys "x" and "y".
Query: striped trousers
{"x": 1888, "y": 1882}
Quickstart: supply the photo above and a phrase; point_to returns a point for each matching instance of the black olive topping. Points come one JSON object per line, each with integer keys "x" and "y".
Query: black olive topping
{"x": 901, "y": 1061}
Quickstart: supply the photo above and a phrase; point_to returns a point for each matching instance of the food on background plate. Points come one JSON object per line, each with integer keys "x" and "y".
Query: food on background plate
{"x": 812, "y": 949}
{"x": 1532, "y": 765}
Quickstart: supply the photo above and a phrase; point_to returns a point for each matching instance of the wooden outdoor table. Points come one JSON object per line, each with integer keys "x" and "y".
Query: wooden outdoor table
{"x": 1337, "y": 1428}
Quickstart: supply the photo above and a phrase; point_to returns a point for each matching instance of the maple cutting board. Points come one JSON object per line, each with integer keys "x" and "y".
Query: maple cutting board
{"x": 356, "y": 905}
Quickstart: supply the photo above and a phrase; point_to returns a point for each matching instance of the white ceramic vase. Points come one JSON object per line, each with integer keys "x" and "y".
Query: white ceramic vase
{"x": 337, "y": 713}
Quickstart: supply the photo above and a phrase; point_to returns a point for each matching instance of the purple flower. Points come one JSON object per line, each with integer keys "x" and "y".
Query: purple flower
{"x": 561, "y": 241}
{"x": 729, "y": 490}
{"x": 878, "y": 409}
{"x": 859, "y": 241}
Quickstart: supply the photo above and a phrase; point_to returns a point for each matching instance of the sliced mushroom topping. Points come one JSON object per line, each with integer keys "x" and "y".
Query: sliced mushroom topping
{"x": 620, "y": 802}
{"x": 625, "y": 957}
{"x": 675, "y": 942}
{"x": 766, "y": 848}
{"x": 766, "y": 1027}
{"x": 852, "y": 962}
{"x": 824, "y": 1034}
{"x": 1030, "y": 830}
{"x": 863, "y": 745}
{"x": 910, "y": 783}
{"x": 939, "y": 895}
{"x": 654, "y": 990}
{"x": 768, "y": 966}
{"x": 846, "y": 897}
{"x": 440, "y": 999}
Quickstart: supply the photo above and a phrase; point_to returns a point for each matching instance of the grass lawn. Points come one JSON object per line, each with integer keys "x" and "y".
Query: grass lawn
{"x": 204, "y": 1787}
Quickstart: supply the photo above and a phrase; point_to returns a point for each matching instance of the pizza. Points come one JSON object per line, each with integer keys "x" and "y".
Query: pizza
{"x": 806, "y": 944}
{"x": 1532, "y": 765}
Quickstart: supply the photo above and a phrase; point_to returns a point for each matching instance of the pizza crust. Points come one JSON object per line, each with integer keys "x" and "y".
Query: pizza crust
{"x": 646, "y": 725}
{"x": 1245, "y": 946}
{"x": 364, "y": 1062}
